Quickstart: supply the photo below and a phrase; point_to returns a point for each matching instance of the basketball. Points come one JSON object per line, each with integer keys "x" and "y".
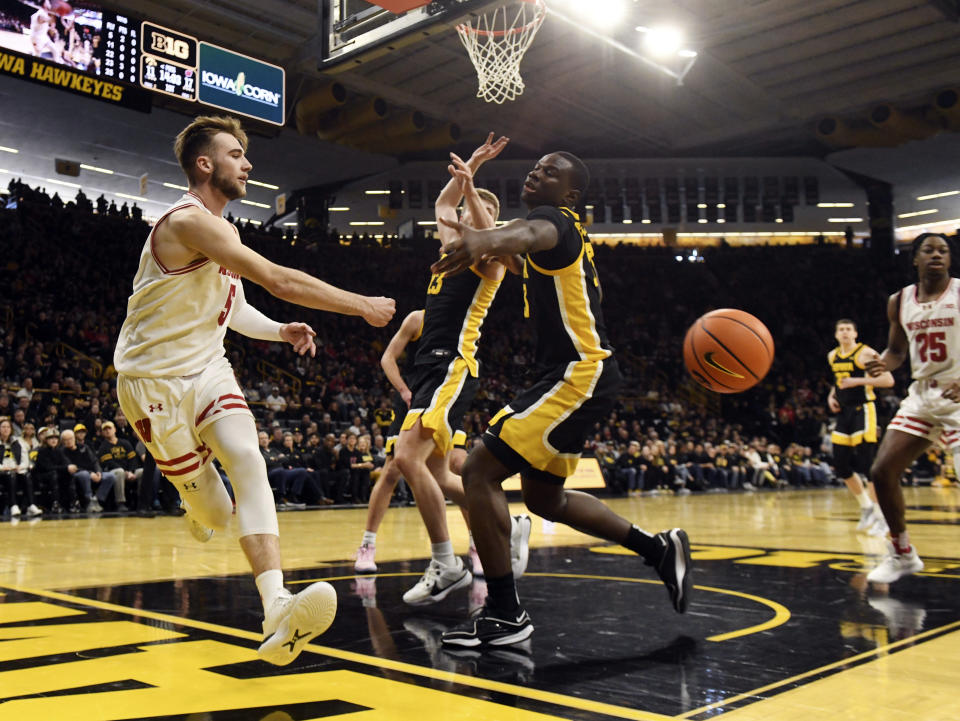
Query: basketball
{"x": 728, "y": 350}
{"x": 60, "y": 7}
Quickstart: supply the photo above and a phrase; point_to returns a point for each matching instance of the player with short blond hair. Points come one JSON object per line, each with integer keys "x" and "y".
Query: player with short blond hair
{"x": 176, "y": 384}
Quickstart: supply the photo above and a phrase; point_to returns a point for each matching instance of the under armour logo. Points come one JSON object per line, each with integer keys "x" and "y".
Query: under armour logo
{"x": 296, "y": 637}
{"x": 158, "y": 408}
{"x": 188, "y": 486}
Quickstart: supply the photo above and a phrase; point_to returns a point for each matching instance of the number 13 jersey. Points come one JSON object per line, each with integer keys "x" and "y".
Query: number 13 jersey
{"x": 176, "y": 317}
{"x": 933, "y": 330}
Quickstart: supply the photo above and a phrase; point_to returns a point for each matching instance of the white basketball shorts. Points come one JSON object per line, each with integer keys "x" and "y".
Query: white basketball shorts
{"x": 169, "y": 413}
{"x": 926, "y": 413}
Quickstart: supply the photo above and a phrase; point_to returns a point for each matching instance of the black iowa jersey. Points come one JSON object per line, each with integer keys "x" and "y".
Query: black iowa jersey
{"x": 561, "y": 293}
{"x": 849, "y": 366}
{"x": 452, "y": 316}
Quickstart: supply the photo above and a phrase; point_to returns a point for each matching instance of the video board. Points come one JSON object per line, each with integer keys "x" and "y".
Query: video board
{"x": 57, "y": 43}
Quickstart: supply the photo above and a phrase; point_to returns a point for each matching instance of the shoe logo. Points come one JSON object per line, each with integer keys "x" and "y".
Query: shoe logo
{"x": 296, "y": 637}
{"x": 708, "y": 359}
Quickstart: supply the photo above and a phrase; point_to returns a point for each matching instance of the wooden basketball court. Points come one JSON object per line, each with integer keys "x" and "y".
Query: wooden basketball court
{"x": 129, "y": 618}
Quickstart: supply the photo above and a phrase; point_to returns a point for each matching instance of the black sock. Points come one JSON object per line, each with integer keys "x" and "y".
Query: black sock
{"x": 642, "y": 543}
{"x": 502, "y": 596}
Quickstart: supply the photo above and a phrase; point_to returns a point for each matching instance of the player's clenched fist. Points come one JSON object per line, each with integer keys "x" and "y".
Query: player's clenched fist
{"x": 379, "y": 311}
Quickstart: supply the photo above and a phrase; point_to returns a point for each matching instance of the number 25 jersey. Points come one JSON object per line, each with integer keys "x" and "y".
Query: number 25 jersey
{"x": 176, "y": 317}
{"x": 933, "y": 330}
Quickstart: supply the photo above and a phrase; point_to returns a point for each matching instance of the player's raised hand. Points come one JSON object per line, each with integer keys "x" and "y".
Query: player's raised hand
{"x": 488, "y": 151}
{"x": 462, "y": 172}
{"x": 300, "y": 336}
{"x": 379, "y": 311}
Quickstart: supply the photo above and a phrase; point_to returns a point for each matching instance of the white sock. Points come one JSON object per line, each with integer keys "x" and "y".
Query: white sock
{"x": 369, "y": 539}
{"x": 863, "y": 498}
{"x": 270, "y": 586}
{"x": 442, "y": 553}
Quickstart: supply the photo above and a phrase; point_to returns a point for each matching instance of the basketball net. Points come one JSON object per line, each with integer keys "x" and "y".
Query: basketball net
{"x": 497, "y": 43}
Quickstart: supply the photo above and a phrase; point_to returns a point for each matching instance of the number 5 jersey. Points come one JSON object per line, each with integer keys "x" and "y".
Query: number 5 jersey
{"x": 176, "y": 317}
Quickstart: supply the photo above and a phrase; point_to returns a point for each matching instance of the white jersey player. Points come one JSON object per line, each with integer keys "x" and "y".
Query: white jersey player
{"x": 177, "y": 387}
{"x": 924, "y": 322}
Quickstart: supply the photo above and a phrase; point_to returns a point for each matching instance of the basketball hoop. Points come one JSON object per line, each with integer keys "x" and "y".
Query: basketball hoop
{"x": 497, "y": 45}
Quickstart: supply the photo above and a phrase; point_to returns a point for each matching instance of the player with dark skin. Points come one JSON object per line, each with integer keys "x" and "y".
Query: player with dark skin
{"x": 556, "y": 182}
{"x": 899, "y": 450}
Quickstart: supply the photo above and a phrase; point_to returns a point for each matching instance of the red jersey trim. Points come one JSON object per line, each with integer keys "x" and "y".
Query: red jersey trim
{"x": 153, "y": 250}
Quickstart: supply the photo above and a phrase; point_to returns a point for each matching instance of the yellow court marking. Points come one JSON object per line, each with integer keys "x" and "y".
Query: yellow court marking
{"x": 879, "y": 651}
{"x": 447, "y": 676}
{"x": 781, "y": 614}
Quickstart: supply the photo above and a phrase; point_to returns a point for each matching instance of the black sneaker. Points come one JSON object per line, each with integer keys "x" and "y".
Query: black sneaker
{"x": 674, "y": 566}
{"x": 487, "y": 629}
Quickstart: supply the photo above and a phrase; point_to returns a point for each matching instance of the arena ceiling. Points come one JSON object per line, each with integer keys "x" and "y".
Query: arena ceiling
{"x": 766, "y": 71}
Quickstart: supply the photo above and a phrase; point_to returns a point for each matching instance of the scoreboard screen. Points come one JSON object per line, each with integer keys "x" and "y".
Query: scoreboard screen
{"x": 63, "y": 43}
{"x": 168, "y": 63}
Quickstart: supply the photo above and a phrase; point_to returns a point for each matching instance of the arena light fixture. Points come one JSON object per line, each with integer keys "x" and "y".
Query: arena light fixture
{"x": 663, "y": 41}
{"x": 367, "y": 222}
{"x": 938, "y": 195}
{"x": 271, "y": 186}
{"x": 339, "y": 209}
{"x": 378, "y": 192}
{"x": 63, "y": 182}
{"x": 5, "y": 149}
{"x": 835, "y": 205}
{"x": 918, "y": 212}
{"x": 255, "y": 203}
{"x": 175, "y": 186}
{"x": 627, "y": 221}
{"x": 293, "y": 224}
{"x": 952, "y": 222}
{"x": 844, "y": 220}
{"x": 662, "y": 46}
{"x": 646, "y": 221}
{"x": 135, "y": 197}
{"x": 95, "y": 169}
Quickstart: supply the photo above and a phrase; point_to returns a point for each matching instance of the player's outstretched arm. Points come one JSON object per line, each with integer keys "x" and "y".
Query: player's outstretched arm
{"x": 409, "y": 329}
{"x": 517, "y": 238}
{"x": 214, "y": 238}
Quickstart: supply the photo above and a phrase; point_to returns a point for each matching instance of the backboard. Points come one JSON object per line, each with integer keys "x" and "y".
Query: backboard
{"x": 357, "y": 31}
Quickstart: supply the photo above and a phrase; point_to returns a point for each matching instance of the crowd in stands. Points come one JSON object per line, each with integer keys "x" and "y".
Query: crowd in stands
{"x": 67, "y": 271}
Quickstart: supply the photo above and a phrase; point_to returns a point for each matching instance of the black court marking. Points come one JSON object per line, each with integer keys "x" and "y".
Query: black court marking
{"x": 605, "y": 630}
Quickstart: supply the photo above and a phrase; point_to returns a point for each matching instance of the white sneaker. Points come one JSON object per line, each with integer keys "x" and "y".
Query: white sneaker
{"x": 33, "y": 511}
{"x": 867, "y": 517}
{"x": 292, "y": 620}
{"x": 14, "y": 510}
{"x": 197, "y": 529}
{"x": 438, "y": 582}
{"x": 895, "y": 566}
{"x": 520, "y": 527}
{"x": 879, "y": 527}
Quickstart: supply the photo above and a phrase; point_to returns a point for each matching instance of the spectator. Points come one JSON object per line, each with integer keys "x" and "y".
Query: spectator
{"x": 630, "y": 469}
{"x": 119, "y": 458}
{"x": 13, "y": 474}
{"x": 84, "y": 470}
{"x": 52, "y": 473}
{"x": 275, "y": 402}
